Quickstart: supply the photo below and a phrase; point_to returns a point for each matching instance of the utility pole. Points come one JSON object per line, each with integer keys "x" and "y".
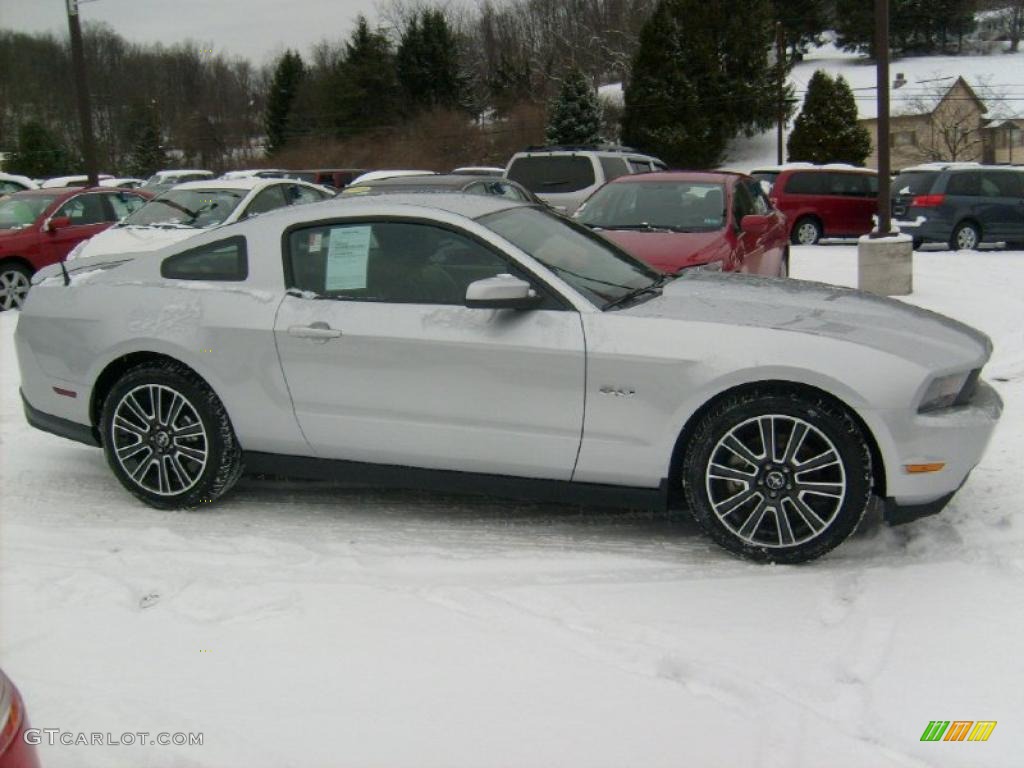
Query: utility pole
{"x": 882, "y": 139}
{"x": 780, "y": 64}
{"x": 82, "y": 93}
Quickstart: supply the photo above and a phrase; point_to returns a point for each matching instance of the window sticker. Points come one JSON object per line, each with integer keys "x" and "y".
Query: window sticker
{"x": 348, "y": 251}
{"x": 316, "y": 240}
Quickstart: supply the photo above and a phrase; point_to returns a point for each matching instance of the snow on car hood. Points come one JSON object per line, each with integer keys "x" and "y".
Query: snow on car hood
{"x": 927, "y": 338}
{"x": 121, "y": 240}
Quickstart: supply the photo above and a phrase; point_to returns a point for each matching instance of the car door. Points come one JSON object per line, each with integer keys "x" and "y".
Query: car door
{"x": 1002, "y": 205}
{"x": 386, "y": 365}
{"x": 88, "y": 216}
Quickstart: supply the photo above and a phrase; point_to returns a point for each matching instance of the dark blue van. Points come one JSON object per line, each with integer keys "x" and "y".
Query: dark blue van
{"x": 962, "y": 204}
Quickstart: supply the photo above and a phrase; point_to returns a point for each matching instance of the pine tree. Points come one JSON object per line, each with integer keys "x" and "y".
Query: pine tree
{"x": 38, "y": 154}
{"x": 146, "y": 153}
{"x": 427, "y": 63}
{"x": 826, "y": 130}
{"x": 700, "y": 76}
{"x": 365, "y": 86}
{"x": 803, "y": 21}
{"x": 284, "y": 87}
{"x": 574, "y": 117}
{"x": 915, "y": 26}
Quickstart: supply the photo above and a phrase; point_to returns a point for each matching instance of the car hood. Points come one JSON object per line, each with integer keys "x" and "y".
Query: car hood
{"x": 927, "y": 338}
{"x": 120, "y": 240}
{"x": 671, "y": 251}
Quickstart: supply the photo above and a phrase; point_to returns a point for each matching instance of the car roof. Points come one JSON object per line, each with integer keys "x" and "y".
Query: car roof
{"x": 448, "y": 180}
{"x": 246, "y": 184}
{"x": 641, "y": 178}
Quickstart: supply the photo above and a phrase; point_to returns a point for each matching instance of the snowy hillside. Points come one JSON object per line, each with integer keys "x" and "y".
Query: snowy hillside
{"x": 302, "y": 624}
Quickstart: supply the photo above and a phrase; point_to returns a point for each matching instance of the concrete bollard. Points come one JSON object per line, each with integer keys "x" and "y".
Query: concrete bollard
{"x": 885, "y": 265}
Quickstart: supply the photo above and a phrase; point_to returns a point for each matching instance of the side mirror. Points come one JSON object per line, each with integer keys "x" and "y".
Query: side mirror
{"x": 58, "y": 222}
{"x": 501, "y": 292}
{"x": 755, "y": 225}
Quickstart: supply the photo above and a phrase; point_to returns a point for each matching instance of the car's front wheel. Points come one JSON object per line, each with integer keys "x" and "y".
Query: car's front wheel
{"x": 965, "y": 237}
{"x": 777, "y": 476}
{"x": 168, "y": 438}
{"x": 15, "y": 280}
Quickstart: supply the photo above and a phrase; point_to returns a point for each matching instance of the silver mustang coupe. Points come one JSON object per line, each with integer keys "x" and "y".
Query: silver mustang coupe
{"x": 473, "y": 343}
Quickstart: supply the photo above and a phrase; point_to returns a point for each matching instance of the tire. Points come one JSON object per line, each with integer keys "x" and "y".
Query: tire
{"x": 917, "y": 243}
{"x": 806, "y": 231}
{"x": 965, "y": 237}
{"x": 15, "y": 281}
{"x": 168, "y": 471}
{"x": 729, "y": 482}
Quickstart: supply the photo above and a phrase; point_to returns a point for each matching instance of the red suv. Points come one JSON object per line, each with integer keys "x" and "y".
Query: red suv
{"x": 40, "y": 226}
{"x": 826, "y": 201}
{"x": 679, "y": 219}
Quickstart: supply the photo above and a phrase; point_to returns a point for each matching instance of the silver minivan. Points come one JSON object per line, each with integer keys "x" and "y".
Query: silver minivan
{"x": 563, "y": 177}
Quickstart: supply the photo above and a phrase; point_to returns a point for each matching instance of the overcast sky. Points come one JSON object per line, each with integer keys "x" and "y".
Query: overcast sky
{"x": 256, "y": 29}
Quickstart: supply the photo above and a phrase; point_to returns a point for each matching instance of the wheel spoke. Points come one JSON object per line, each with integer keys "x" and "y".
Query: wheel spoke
{"x": 120, "y": 422}
{"x": 767, "y": 426}
{"x": 183, "y": 475}
{"x": 190, "y": 430}
{"x": 722, "y": 472}
{"x": 136, "y": 408}
{"x": 795, "y": 442}
{"x": 143, "y": 466}
{"x": 190, "y": 453}
{"x": 832, "y": 490}
{"x": 161, "y": 475}
{"x": 154, "y": 398}
{"x": 177, "y": 404}
{"x": 823, "y": 459}
{"x": 734, "y": 502}
{"x": 732, "y": 443}
{"x": 753, "y": 521}
{"x": 808, "y": 515}
{"x": 132, "y": 450}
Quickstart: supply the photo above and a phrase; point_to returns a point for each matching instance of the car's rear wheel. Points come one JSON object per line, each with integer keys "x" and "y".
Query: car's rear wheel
{"x": 807, "y": 231}
{"x": 15, "y": 280}
{"x": 965, "y": 237}
{"x": 168, "y": 438}
{"x": 777, "y": 476}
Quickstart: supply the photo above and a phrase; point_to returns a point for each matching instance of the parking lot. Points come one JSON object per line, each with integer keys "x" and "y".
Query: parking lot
{"x": 296, "y": 622}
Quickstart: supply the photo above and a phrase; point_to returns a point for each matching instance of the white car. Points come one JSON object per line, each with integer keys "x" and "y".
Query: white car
{"x": 79, "y": 180}
{"x": 378, "y": 175}
{"x": 164, "y": 180}
{"x": 192, "y": 207}
{"x": 122, "y": 182}
{"x": 11, "y": 183}
{"x": 469, "y": 342}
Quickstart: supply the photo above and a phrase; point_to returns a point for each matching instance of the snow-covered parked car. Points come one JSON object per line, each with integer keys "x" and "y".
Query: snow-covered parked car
{"x": 194, "y": 206}
{"x": 11, "y": 183}
{"x": 469, "y": 342}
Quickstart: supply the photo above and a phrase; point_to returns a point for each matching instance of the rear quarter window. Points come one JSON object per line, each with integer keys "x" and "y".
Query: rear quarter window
{"x": 804, "y": 183}
{"x": 614, "y": 167}
{"x": 551, "y": 174}
{"x": 225, "y": 260}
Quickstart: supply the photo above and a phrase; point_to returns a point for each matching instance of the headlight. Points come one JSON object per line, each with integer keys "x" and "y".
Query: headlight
{"x": 76, "y": 251}
{"x": 946, "y": 391}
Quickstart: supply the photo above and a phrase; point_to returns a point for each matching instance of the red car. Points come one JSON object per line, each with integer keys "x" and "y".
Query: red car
{"x": 826, "y": 201}
{"x": 675, "y": 220}
{"x": 15, "y": 752}
{"x": 40, "y": 226}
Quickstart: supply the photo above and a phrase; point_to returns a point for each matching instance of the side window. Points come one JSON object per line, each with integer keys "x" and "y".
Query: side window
{"x": 1002, "y": 184}
{"x": 805, "y": 184}
{"x": 390, "y": 261}
{"x": 847, "y": 184}
{"x": 760, "y": 204}
{"x": 872, "y": 186}
{"x": 226, "y": 260}
{"x": 968, "y": 184}
{"x": 269, "y": 199}
{"x": 124, "y": 203}
{"x": 742, "y": 203}
{"x": 614, "y": 167}
{"x": 84, "y": 210}
{"x": 300, "y": 195}
{"x": 9, "y": 188}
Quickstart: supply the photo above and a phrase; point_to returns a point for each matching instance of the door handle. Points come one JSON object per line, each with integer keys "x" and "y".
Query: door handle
{"x": 318, "y": 330}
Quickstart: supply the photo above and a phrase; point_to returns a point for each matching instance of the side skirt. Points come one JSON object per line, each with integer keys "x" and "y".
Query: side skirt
{"x": 447, "y": 481}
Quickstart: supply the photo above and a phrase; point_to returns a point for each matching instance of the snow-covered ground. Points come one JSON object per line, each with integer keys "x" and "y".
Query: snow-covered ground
{"x": 310, "y": 625}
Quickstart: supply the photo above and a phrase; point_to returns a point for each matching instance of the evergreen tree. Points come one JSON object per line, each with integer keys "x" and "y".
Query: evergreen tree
{"x": 803, "y": 21}
{"x": 38, "y": 154}
{"x": 826, "y": 130}
{"x": 915, "y": 26}
{"x": 700, "y": 76}
{"x": 284, "y": 87}
{"x": 146, "y": 153}
{"x": 365, "y": 85}
{"x": 574, "y": 117}
{"x": 427, "y": 62}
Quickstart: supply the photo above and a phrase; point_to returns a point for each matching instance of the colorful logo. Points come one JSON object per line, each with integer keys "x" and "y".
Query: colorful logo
{"x": 958, "y": 730}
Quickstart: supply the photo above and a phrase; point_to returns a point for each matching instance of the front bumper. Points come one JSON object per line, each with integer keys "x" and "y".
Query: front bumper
{"x": 956, "y": 437}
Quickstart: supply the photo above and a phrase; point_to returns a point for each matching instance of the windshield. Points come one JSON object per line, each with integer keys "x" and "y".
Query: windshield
{"x": 683, "y": 206}
{"x": 590, "y": 264}
{"x": 187, "y": 208}
{"x": 17, "y": 212}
